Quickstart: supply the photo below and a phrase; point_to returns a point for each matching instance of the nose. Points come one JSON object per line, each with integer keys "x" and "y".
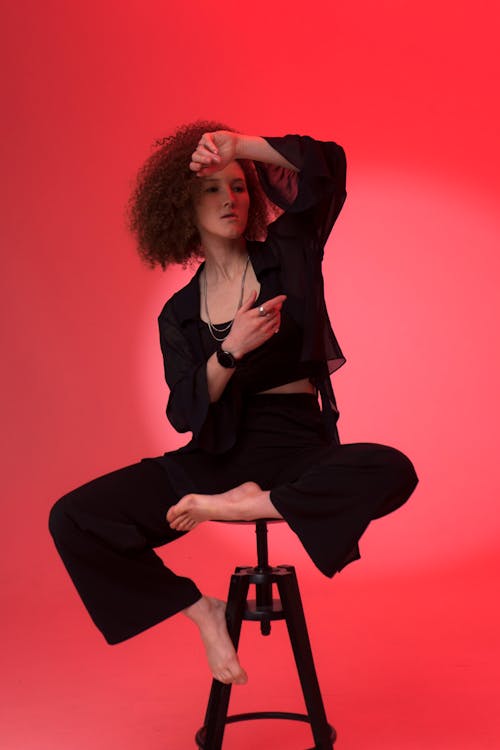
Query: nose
{"x": 229, "y": 197}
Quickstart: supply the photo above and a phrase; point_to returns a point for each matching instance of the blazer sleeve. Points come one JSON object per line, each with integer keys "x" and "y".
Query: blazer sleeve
{"x": 311, "y": 198}
{"x": 213, "y": 424}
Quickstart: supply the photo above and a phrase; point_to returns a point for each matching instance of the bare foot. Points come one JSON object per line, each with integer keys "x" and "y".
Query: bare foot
{"x": 210, "y": 616}
{"x": 245, "y": 502}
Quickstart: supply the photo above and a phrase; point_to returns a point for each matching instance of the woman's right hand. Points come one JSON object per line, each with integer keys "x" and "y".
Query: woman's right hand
{"x": 250, "y": 328}
{"x": 214, "y": 152}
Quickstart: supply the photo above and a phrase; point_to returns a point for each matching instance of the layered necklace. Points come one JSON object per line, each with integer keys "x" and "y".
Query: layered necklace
{"x": 218, "y": 329}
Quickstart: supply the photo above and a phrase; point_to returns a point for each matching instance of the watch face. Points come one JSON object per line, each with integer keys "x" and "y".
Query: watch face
{"x": 226, "y": 359}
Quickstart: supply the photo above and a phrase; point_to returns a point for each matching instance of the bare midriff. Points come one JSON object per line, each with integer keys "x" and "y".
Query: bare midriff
{"x": 298, "y": 386}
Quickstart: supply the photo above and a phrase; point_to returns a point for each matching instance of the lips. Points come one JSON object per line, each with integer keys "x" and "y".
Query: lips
{"x": 229, "y": 216}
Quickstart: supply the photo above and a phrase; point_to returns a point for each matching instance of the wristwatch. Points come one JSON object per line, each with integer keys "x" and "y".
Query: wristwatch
{"x": 226, "y": 359}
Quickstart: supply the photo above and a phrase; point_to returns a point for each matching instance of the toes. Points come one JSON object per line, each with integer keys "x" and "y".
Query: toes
{"x": 228, "y": 676}
{"x": 185, "y": 524}
{"x": 172, "y": 513}
{"x": 241, "y": 677}
{"x": 224, "y": 676}
{"x": 173, "y": 521}
{"x": 178, "y": 522}
{"x": 179, "y": 509}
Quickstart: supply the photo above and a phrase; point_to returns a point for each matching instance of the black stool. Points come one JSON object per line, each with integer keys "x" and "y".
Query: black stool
{"x": 264, "y": 609}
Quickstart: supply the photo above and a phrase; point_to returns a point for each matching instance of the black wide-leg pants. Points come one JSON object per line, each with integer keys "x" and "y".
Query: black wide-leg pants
{"x": 106, "y": 530}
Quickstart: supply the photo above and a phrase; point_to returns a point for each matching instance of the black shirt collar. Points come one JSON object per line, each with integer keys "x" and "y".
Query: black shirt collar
{"x": 187, "y": 299}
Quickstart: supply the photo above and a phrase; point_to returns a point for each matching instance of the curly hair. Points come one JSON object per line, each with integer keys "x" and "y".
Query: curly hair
{"x": 160, "y": 209}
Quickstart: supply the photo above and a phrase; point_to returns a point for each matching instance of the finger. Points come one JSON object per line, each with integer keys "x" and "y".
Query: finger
{"x": 203, "y": 170}
{"x": 203, "y": 150}
{"x": 273, "y": 321}
{"x": 267, "y": 314}
{"x": 273, "y": 309}
{"x": 204, "y": 157}
{"x": 270, "y": 325}
{"x": 247, "y": 304}
{"x": 208, "y": 141}
{"x": 264, "y": 310}
{"x": 278, "y": 300}
{"x": 207, "y": 169}
{"x": 269, "y": 308}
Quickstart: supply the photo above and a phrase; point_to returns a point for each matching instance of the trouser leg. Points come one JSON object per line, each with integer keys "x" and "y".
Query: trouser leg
{"x": 105, "y": 532}
{"x": 330, "y": 504}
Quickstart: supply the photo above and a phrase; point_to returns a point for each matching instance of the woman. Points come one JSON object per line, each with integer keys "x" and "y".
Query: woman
{"x": 247, "y": 347}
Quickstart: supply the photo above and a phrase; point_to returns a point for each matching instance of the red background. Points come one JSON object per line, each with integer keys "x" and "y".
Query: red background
{"x": 406, "y": 639}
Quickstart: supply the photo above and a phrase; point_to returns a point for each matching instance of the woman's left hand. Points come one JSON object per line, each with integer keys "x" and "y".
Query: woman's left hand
{"x": 214, "y": 152}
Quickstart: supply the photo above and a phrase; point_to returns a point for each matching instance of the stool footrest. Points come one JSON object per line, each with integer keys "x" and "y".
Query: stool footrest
{"x": 252, "y": 715}
{"x": 254, "y": 611}
{"x": 259, "y": 576}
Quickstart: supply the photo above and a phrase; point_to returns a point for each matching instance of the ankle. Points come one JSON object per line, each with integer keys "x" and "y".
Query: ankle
{"x": 200, "y": 611}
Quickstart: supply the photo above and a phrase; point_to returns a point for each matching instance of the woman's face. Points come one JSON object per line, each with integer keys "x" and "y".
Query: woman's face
{"x": 222, "y": 202}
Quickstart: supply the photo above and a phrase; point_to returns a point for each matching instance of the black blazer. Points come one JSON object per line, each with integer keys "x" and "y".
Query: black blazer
{"x": 287, "y": 262}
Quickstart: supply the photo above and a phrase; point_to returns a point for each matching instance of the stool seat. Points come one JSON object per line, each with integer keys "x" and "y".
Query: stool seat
{"x": 239, "y": 521}
{"x": 264, "y": 609}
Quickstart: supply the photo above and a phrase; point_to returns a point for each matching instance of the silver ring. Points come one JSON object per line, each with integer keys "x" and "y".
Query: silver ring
{"x": 262, "y": 312}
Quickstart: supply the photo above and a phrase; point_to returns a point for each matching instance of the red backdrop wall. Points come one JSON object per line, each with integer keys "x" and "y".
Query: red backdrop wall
{"x": 411, "y": 268}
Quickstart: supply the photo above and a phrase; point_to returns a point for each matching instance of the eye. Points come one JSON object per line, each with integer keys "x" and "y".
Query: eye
{"x": 211, "y": 189}
{"x": 239, "y": 188}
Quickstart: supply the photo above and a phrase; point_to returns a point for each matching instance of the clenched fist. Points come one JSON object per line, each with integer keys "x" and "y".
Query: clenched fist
{"x": 213, "y": 152}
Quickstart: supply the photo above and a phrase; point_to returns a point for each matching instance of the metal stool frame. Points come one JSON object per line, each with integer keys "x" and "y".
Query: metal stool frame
{"x": 265, "y": 609}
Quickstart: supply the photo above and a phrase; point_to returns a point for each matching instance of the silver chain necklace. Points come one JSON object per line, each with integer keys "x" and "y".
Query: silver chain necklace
{"x": 224, "y": 328}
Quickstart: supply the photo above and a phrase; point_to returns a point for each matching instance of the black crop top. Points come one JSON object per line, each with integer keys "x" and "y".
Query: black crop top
{"x": 275, "y": 362}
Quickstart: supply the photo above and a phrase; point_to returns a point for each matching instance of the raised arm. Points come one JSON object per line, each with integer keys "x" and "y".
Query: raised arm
{"x": 301, "y": 175}
{"x": 215, "y": 151}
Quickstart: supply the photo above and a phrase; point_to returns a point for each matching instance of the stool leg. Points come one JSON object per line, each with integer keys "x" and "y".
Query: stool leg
{"x": 218, "y": 702}
{"x": 263, "y": 591}
{"x": 294, "y": 614}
